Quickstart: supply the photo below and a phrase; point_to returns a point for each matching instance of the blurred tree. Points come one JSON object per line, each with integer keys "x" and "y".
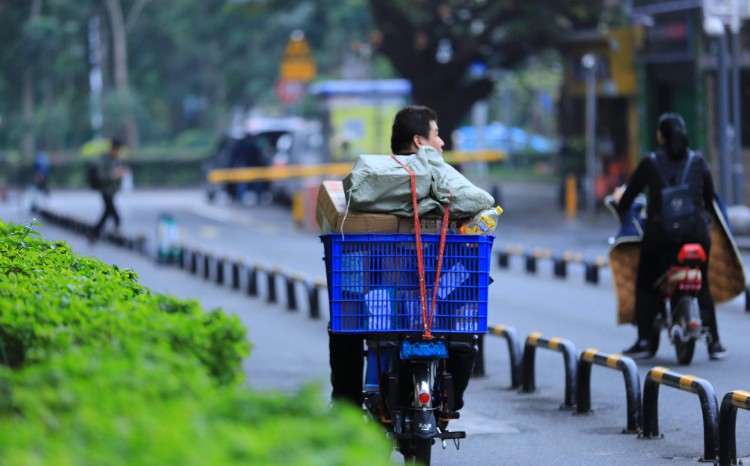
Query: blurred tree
{"x": 449, "y": 49}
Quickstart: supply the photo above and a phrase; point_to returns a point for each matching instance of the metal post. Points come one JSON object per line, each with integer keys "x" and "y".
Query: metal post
{"x": 632, "y": 383}
{"x": 535, "y": 340}
{"x": 737, "y": 120}
{"x": 589, "y": 64}
{"x": 723, "y": 118}
{"x": 479, "y": 361}
{"x": 514, "y": 350}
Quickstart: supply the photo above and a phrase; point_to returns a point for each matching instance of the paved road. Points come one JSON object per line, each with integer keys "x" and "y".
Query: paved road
{"x": 505, "y": 427}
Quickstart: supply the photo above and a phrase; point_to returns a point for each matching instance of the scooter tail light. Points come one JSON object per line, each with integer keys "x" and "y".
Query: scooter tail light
{"x": 424, "y": 397}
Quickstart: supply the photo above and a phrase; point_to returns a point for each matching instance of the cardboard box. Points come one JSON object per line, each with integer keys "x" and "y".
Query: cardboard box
{"x": 331, "y": 210}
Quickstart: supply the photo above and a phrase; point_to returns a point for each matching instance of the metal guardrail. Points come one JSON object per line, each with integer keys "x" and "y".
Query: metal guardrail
{"x": 629, "y": 371}
{"x": 132, "y": 243}
{"x": 559, "y": 262}
{"x": 514, "y": 350}
{"x": 202, "y": 263}
{"x": 536, "y": 340}
{"x": 689, "y": 383}
{"x": 736, "y": 399}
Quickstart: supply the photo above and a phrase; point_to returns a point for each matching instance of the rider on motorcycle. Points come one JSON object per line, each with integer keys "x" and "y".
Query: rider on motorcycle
{"x": 659, "y": 249}
{"x": 413, "y": 127}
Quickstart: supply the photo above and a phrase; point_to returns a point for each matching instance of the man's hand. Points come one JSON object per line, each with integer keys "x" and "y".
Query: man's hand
{"x": 120, "y": 171}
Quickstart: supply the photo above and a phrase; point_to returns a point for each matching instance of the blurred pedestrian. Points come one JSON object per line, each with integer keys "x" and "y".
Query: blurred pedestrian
{"x": 41, "y": 173}
{"x": 40, "y": 184}
{"x": 110, "y": 172}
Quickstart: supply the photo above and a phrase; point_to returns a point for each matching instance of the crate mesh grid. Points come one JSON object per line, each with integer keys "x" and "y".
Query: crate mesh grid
{"x": 373, "y": 282}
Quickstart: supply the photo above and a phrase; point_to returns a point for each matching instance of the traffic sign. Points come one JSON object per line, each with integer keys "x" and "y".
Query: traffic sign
{"x": 298, "y": 64}
{"x": 289, "y": 92}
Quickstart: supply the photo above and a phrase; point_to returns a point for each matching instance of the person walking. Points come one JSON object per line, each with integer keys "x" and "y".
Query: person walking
{"x": 665, "y": 166}
{"x": 110, "y": 171}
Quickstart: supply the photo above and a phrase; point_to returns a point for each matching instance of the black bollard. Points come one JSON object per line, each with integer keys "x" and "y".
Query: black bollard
{"x": 271, "y": 282}
{"x": 207, "y": 266}
{"x": 236, "y": 265}
{"x": 252, "y": 281}
{"x": 220, "y": 270}
{"x": 291, "y": 297}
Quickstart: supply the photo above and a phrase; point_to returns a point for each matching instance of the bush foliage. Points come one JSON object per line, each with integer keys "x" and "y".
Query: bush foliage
{"x": 97, "y": 370}
{"x": 52, "y": 299}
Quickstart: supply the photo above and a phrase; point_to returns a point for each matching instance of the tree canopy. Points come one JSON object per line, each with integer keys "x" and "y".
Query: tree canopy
{"x": 171, "y": 66}
{"x": 449, "y": 49}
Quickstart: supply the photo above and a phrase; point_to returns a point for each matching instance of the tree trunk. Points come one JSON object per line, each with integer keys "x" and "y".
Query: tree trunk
{"x": 28, "y": 141}
{"x": 120, "y": 58}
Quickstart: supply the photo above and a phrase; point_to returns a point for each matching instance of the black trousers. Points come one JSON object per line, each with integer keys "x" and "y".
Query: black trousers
{"x": 109, "y": 211}
{"x": 657, "y": 255}
{"x": 347, "y": 360}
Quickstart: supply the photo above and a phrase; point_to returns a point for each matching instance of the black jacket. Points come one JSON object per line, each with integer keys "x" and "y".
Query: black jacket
{"x": 649, "y": 179}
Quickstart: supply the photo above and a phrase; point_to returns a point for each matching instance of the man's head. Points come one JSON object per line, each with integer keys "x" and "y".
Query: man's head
{"x": 115, "y": 145}
{"x": 413, "y": 127}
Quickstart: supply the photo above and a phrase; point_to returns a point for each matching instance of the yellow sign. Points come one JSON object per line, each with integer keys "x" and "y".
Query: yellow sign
{"x": 298, "y": 64}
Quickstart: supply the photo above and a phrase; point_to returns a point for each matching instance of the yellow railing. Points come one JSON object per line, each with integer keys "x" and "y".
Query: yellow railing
{"x": 248, "y": 174}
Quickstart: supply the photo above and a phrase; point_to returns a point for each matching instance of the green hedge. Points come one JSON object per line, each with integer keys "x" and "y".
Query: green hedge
{"x": 52, "y": 299}
{"x": 149, "y": 406}
{"x": 97, "y": 370}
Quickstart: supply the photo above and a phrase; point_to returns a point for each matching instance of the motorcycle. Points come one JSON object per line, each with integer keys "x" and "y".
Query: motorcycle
{"x": 409, "y": 391}
{"x": 377, "y": 289}
{"x": 678, "y": 310}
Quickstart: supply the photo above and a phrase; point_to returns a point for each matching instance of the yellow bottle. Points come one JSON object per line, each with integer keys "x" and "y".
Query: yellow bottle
{"x": 483, "y": 223}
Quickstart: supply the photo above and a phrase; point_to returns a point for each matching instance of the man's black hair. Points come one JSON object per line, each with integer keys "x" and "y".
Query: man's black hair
{"x": 410, "y": 121}
{"x": 116, "y": 143}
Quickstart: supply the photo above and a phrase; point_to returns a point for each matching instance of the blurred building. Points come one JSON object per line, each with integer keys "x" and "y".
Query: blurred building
{"x": 663, "y": 61}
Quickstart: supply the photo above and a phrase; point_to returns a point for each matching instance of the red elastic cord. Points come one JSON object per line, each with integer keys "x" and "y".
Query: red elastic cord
{"x": 426, "y": 319}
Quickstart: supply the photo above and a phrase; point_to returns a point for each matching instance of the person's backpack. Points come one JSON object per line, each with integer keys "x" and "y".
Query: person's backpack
{"x": 92, "y": 174}
{"x": 679, "y": 216}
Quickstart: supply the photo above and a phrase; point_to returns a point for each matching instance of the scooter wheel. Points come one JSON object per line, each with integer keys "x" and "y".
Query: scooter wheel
{"x": 684, "y": 350}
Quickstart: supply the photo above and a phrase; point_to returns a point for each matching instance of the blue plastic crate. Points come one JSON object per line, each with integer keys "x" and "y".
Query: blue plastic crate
{"x": 373, "y": 282}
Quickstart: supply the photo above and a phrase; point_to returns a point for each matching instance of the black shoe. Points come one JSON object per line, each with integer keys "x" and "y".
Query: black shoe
{"x": 639, "y": 350}
{"x": 716, "y": 350}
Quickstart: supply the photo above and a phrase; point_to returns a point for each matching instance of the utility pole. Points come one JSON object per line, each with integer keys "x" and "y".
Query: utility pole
{"x": 718, "y": 15}
{"x": 738, "y": 178}
{"x": 589, "y": 65}
{"x": 95, "y": 77}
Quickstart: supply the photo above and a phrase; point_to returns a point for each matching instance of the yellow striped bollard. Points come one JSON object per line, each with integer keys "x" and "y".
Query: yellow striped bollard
{"x": 689, "y": 383}
{"x": 629, "y": 371}
{"x": 536, "y": 340}
{"x": 736, "y": 399}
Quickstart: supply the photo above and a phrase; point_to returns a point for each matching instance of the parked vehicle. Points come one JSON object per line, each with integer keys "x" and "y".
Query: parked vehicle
{"x": 266, "y": 142}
